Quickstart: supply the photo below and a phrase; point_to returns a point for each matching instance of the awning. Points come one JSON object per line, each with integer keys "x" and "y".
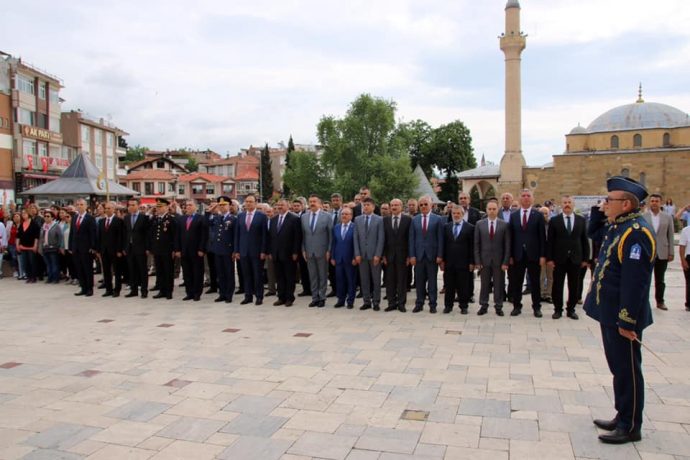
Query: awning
{"x": 40, "y": 176}
{"x": 147, "y": 200}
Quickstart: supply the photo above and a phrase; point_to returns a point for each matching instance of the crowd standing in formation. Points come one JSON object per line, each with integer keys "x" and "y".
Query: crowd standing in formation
{"x": 359, "y": 247}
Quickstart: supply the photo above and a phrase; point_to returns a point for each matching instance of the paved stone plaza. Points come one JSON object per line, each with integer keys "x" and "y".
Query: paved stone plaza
{"x": 137, "y": 379}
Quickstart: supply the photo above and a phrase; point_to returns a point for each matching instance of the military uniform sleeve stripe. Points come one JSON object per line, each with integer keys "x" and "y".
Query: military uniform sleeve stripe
{"x": 622, "y": 243}
{"x": 653, "y": 241}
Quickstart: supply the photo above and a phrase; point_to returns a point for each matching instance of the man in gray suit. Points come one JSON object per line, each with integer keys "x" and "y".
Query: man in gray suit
{"x": 368, "y": 252}
{"x": 662, "y": 223}
{"x": 317, "y": 230}
{"x": 491, "y": 256}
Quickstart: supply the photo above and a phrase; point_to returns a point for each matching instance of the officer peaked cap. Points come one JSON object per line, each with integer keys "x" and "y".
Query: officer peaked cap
{"x": 627, "y": 184}
{"x": 162, "y": 201}
{"x": 224, "y": 199}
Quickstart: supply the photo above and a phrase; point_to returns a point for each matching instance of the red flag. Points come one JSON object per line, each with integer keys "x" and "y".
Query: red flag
{"x": 44, "y": 162}
{"x": 30, "y": 162}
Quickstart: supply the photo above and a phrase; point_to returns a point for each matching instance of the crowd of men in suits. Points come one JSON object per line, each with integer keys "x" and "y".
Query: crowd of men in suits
{"x": 357, "y": 248}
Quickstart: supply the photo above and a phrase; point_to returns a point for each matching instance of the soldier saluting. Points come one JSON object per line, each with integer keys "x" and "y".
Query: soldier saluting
{"x": 619, "y": 300}
{"x": 163, "y": 234}
{"x": 222, "y": 236}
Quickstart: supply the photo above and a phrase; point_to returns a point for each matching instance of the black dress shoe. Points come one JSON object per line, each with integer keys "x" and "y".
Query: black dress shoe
{"x": 339, "y": 305}
{"x": 197, "y": 298}
{"x": 269, "y": 294}
{"x": 463, "y": 311}
{"x": 107, "y": 294}
{"x": 608, "y": 425}
{"x": 169, "y": 296}
{"x": 188, "y": 297}
{"x": 482, "y": 311}
{"x": 391, "y": 308}
{"x": 313, "y": 304}
{"x": 155, "y": 288}
{"x": 211, "y": 291}
{"x": 499, "y": 312}
{"x": 515, "y": 312}
{"x": 246, "y": 301}
{"x": 288, "y": 303}
{"x": 402, "y": 309}
{"x": 259, "y": 302}
{"x": 620, "y": 436}
{"x": 447, "y": 310}
{"x": 557, "y": 315}
{"x": 366, "y": 306}
{"x": 144, "y": 295}
{"x": 322, "y": 304}
{"x": 132, "y": 294}
{"x": 417, "y": 309}
{"x": 350, "y": 306}
{"x": 537, "y": 314}
{"x": 278, "y": 303}
{"x": 572, "y": 315}
{"x": 88, "y": 293}
{"x": 376, "y": 307}
{"x": 220, "y": 298}
{"x": 239, "y": 291}
{"x": 80, "y": 293}
{"x": 228, "y": 300}
{"x": 116, "y": 294}
{"x": 432, "y": 309}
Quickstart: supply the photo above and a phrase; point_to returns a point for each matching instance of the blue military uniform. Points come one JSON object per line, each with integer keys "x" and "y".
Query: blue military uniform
{"x": 163, "y": 234}
{"x": 619, "y": 298}
{"x": 221, "y": 244}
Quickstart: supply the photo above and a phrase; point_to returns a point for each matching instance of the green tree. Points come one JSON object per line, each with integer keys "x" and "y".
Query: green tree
{"x": 358, "y": 146}
{"x": 266, "y": 174}
{"x": 308, "y": 175}
{"x": 192, "y": 164}
{"x": 415, "y": 137}
{"x": 135, "y": 153}
{"x": 288, "y": 154}
{"x": 451, "y": 151}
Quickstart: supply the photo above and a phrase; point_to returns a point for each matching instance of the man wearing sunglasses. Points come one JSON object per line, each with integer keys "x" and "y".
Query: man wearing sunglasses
{"x": 619, "y": 300}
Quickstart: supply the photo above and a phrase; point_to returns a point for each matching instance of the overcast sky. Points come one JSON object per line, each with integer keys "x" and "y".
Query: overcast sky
{"x": 226, "y": 74}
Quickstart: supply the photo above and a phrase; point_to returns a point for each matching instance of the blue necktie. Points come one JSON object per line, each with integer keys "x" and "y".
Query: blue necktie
{"x": 456, "y": 231}
{"x": 312, "y": 225}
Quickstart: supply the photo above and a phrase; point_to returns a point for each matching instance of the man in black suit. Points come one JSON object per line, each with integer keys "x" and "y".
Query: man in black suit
{"x": 190, "y": 247}
{"x": 298, "y": 210}
{"x": 396, "y": 228}
{"x": 364, "y": 192}
{"x": 458, "y": 260}
{"x": 111, "y": 244}
{"x": 250, "y": 249}
{"x": 567, "y": 251}
{"x": 82, "y": 243}
{"x": 137, "y": 245}
{"x": 528, "y": 252}
{"x": 471, "y": 216}
{"x": 163, "y": 236}
{"x": 285, "y": 246}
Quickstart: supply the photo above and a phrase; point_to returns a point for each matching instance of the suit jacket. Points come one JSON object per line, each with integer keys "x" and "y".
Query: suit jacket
{"x": 531, "y": 242}
{"x": 458, "y": 253}
{"x": 561, "y": 246}
{"x": 664, "y": 237}
{"x": 112, "y": 239}
{"x": 427, "y": 245}
{"x": 285, "y": 241}
{"x": 82, "y": 237}
{"x": 318, "y": 242}
{"x": 474, "y": 215}
{"x": 369, "y": 243}
{"x": 252, "y": 242}
{"x": 500, "y": 214}
{"x": 492, "y": 252}
{"x": 396, "y": 244}
{"x": 357, "y": 211}
{"x": 190, "y": 241}
{"x": 137, "y": 239}
{"x": 343, "y": 249}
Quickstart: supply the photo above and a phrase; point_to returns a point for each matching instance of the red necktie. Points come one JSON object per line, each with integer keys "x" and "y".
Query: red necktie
{"x": 78, "y": 222}
{"x": 491, "y": 231}
{"x": 189, "y": 222}
{"x": 107, "y": 224}
{"x": 424, "y": 224}
{"x": 524, "y": 219}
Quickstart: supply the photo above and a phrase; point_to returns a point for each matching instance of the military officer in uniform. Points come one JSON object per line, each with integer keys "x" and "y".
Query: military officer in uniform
{"x": 619, "y": 300}
{"x": 163, "y": 233}
{"x": 222, "y": 235}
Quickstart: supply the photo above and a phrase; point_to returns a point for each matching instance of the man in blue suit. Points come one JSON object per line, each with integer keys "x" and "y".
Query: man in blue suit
{"x": 190, "y": 247}
{"x": 82, "y": 244}
{"x": 528, "y": 252}
{"x": 343, "y": 259}
{"x": 222, "y": 227}
{"x": 426, "y": 253}
{"x": 250, "y": 249}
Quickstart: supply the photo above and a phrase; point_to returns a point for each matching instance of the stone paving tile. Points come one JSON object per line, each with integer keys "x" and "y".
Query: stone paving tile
{"x": 485, "y": 407}
{"x": 254, "y": 404}
{"x": 61, "y": 436}
{"x": 112, "y": 452}
{"x": 50, "y": 454}
{"x": 139, "y": 411}
{"x": 126, "y": 433}
{"x": 254, "y": 425}
{"x": 323, "y": 445}
{"x": 388, "y": 440}
{"x": 451, "y": 434}
{"x": 185, "y": 450}
{"x": 191, "y": 429}
{"x": 254, "y": 448}
{"x": 527, "y": 430}
{"x": 315, "y": 421}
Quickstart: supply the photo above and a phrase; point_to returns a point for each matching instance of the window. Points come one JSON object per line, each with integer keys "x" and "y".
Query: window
{"x": 42, "y": 149}
{"x": 98, "y": 160}
{"x": 643, "y": 178}
{"x": 180, "y": 190}
{"x": 29, "y": 147}
{"x": 111, "y": 166}
{"x": 148, "y": 188}
{"x": 227, "y": 188}
{"x": 171, "y": 187}
{"x": 42, "y": 121}
{"x": 54, "y": 95}
{"x": 55, "y": 151}
{"x": 210, "y": 189}
{"x": 160, "y": 164}
{"x": 98, "y": 137}
{"x": 625, "y": 172}
{"x": 161, "y": 188}
{"x": 42, "y": 91}
{"x": 136, "y": 186}
{"x": 26, "y": 117}
{"x": 109, "y": 140}
{"x": 197, "y": 189}
{"x": 637, "y": 140}
{"x": 667, "y": 140}
{"x": 614, "y": 142}
{"x": 85, "y": 135}
{"x": 54, "y": 124}
{"x": 25, "y": 84}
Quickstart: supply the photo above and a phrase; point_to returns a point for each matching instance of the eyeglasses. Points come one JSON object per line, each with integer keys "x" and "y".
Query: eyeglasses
{"x": 607, "y": 199}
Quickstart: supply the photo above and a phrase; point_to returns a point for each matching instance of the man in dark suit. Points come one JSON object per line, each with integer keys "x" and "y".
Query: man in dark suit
{"x": 284, "y": 248}
{"x": 190, "y": 247}
{"x": 163, "y": 236}
{"x": 528, "y": 247}
{"x": 471, "y": 216}
{"x": 222, "y": 226}
{"x": 426, "y": 253}
{"x": 82, "y": 243}
{"x": 396, "y": 229}
{"x": 364, "y": 192}
{"x": 567, "y": 250}
{"x": 343, "y": 259}
{"x": 298, "y": 210}
{"x": 250, "y": 249}
{"x": 111, "y": 244}
{"x": 458, "y": 260}
{"x": 491, "y": 257}
{"x": 137, "y": 244}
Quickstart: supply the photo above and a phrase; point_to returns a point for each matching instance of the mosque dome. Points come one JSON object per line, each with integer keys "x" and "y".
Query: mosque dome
{"x": 640, "y": 115}
{"x": 579, "y": 130}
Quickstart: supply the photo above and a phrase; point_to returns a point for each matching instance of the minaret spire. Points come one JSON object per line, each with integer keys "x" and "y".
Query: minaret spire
{"x": 639, "y": 95}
